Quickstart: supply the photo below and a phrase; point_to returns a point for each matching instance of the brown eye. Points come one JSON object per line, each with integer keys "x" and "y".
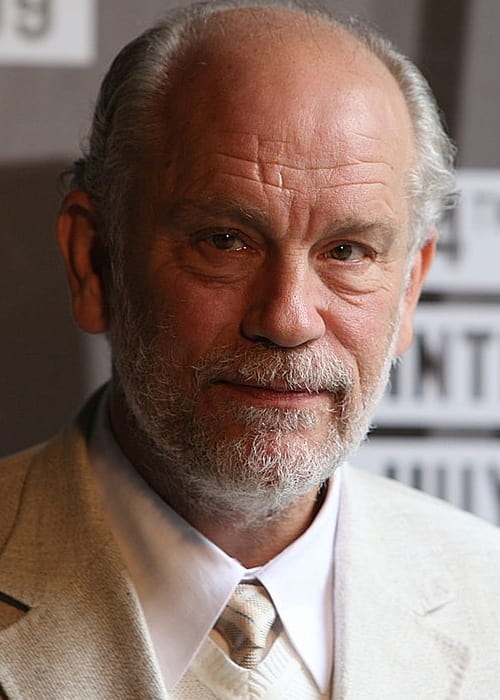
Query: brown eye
{"x": 347, "y": 252}
{"x": 227, "y": 241}
{"x": 341, "y": 252}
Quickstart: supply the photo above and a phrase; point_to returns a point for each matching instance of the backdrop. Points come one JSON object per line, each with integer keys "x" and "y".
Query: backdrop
{"x": 439, "y": 425}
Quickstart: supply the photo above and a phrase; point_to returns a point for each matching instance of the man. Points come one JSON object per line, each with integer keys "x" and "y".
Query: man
{"x": 252, "y": 225}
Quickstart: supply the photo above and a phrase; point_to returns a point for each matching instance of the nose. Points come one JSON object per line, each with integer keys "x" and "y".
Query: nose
{"x": 285, "y": 306}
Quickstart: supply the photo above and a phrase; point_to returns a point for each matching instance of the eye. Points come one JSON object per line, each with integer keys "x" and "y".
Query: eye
{"x": 221, "y": 248}
{"x": 226, "y": 240}
{"x": 347, "y": 252}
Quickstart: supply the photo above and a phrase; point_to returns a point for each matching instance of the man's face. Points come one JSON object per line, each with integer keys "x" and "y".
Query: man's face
{"x": 265, "y": 273}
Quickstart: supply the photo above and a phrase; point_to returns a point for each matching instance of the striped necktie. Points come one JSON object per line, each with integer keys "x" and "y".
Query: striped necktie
{"x": 246, "y": 624}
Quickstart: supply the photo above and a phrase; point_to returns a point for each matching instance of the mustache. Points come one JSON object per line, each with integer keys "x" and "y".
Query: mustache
{"x": 304, "y": 369}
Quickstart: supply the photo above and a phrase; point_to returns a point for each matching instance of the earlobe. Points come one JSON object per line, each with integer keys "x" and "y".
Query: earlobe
{"x": 81, "y": 249}
{"x": 422, "y": 262}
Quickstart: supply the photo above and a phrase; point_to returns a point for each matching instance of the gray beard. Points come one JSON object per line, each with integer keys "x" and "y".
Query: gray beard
{"x": 272, "y": 462}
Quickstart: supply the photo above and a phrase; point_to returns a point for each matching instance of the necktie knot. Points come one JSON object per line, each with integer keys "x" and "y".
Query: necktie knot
{"x": 246, "y": 624}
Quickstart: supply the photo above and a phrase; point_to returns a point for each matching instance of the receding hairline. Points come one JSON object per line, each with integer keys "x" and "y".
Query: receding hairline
{"x": 216, "y": 39}
{"x": 264, "y": 17}
{"x": 220, "y": 30}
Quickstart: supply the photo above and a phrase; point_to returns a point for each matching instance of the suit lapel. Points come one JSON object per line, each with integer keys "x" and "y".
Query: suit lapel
{"x": 393, "y": 599}
{"x": 84, "y": 634}
{"x": 88, "y": 642}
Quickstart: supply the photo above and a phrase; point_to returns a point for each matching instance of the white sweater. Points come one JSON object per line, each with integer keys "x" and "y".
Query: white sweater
{"x": 280, "y": 676}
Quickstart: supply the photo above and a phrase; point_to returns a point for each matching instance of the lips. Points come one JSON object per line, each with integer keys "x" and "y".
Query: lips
{"x": 279, "y": 388}
{"x": 274, "y": 395}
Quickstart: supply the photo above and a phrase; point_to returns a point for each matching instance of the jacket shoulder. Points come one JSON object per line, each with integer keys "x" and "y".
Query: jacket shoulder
{"x": 431, "y": 519}
{"x": 31, "y": 469}
{"x": 14, "y": 472}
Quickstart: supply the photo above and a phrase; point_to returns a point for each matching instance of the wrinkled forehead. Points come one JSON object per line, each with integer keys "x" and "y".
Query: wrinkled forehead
{"x": 286, "y": 78}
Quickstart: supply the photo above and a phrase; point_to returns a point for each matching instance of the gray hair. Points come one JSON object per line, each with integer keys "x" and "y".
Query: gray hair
{"x": 125, "y": 124}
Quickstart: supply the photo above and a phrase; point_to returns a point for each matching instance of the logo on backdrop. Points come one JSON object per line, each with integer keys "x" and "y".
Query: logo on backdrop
{"x": 47, "y": 32}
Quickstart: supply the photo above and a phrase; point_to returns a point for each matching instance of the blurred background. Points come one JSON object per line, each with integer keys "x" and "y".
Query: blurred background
{"x": 438, "y": 427}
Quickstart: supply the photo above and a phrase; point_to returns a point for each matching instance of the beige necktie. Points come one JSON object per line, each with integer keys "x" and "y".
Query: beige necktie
{"x": 246, "y": 624}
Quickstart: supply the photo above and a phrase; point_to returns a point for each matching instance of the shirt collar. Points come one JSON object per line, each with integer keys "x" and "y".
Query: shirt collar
{"x": 184, "y": 581}
{"x": 306, "y": 608}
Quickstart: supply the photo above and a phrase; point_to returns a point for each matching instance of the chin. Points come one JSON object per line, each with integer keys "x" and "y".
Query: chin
{"x": 250, "y": 477}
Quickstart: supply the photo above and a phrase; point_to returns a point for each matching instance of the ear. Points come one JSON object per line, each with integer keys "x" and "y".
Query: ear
{"x": 422, "y": 262}
{"x": 83, "y": 256}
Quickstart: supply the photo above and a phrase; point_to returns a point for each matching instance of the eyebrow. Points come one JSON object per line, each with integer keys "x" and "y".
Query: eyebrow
{"x": 180, "y": 214}
{"x": 386, "y": 228}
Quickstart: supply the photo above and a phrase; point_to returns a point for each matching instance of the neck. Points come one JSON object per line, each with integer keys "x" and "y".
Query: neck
{"x": 251, "y": 539}
{"x": 256, "y": 545}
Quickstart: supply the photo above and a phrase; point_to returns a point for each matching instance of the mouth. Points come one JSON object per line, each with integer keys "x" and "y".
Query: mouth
{"x": 276, "y": 394}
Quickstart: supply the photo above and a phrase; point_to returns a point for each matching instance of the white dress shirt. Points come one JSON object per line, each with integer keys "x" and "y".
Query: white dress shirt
{"x": 183, "y": 580}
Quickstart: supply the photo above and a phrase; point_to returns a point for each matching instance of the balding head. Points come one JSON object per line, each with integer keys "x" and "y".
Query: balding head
{"x": 304, "y": 65}
{"x": 304, "y": 108}
{"x": 286, "y": 41}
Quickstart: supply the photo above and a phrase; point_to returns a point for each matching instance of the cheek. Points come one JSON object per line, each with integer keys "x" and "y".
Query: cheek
{"x": 364, "y": 329}
{"x": 199, "y": 317}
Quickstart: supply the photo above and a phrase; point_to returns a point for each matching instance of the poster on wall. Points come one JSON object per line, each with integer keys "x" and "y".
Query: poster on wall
{"x": 47, "y": 32}
{"x": 438, "y": 426}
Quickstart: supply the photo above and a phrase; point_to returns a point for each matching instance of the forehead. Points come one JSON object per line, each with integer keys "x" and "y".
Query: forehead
{"x": 269, "y": 98}
{"x": 264, "y": 63}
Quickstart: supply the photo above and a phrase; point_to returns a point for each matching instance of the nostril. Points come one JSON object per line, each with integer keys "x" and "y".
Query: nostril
{"x": 265, "y": 342}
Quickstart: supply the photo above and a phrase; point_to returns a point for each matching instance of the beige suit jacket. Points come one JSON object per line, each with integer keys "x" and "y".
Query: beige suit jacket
{"x": 417, "y": 591}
